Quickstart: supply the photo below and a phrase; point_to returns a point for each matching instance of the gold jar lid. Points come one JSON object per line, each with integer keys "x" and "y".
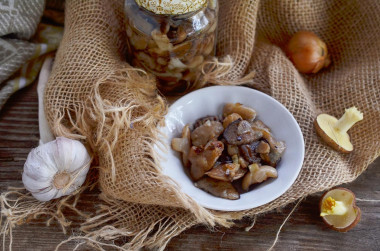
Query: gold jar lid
{"x": 172, "y": 7}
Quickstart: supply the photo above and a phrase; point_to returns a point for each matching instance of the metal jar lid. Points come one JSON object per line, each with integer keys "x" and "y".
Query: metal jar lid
{"x": 172, "y": 7}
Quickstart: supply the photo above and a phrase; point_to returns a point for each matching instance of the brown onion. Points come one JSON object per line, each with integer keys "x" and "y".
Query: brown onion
{"x": 307, "y": 52}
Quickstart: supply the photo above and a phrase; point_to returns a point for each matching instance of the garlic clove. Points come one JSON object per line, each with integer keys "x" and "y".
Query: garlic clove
{"x": 79, "y": 176}
{"x": 79, "y": 180}
{"x": 40, "y": 164}
{"x": 64, "y": 192}
{"x": 64, "y": 155}
{"x": 71, "y": 154}
{"x": 47, "y": 195}
{"x": 82, "y": 158}
{"x": 33, "y": 185}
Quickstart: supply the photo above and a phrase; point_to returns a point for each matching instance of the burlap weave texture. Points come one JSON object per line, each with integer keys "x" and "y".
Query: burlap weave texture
{"x": 95, "y": 96}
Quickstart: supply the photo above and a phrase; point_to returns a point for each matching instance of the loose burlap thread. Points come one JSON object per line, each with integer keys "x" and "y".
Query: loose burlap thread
{"x": 95, "y": 96}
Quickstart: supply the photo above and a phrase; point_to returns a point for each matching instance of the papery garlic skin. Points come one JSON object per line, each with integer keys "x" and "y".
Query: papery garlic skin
{"x": 46, "y": 162}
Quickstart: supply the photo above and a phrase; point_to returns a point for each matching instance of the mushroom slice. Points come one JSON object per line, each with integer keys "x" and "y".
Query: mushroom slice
{"x": 258, "y": 174}
{"x": 246, "y": 113}
{"x": 275, "y": 154}
{"x": 269, "y": 138}
{"x": 263, "y": 147}
{"x": 203, "y": 120}
{"x": 230, "y": 118}
{"x": 203, "y": 158}
{"x": 244, "y": 127}
{"x": 161, "y": 40}
{"x": 232, "y": 150}
{"x": 209, "y": 130}
{"x": 183, "y": 144}
{"x": 259, "y": 125}
{"x": 277, "y": 149}
{"x": 227, "y": 172}
{"x": 224, "y": 158}
{"x": 334, "y": 131}
{"x": 222, "y": 189}
{"x": 242, "y": 162}
{"x": 239, "y": 133}
{"x": 338, "y": 209}
{"x": 248, "y": 152}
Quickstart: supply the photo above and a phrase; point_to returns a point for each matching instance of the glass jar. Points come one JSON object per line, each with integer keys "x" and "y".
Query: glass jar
{"x": 171, "y": 46}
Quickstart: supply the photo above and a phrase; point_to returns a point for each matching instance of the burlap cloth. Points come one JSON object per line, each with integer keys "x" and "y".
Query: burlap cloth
{"x": 95, "y": 96}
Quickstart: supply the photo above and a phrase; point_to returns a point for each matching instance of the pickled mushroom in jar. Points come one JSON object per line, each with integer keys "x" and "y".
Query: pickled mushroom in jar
{"x": 171, "y": 47}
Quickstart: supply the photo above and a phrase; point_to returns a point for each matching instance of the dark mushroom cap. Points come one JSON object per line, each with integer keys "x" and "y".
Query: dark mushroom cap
{"x": 248, "y": 152}
{"x": 233, "y": 137}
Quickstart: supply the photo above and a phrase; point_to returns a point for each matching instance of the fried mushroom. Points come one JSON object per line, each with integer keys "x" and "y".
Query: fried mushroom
{"x": 218, "y": 188}
{"x": 272, "y": 158}
{"x": 230, "y": 118}
{"x": 203, "y": 158}
{"x": 263, "y": 147}
{"x": 246, "y": 113}
{"x": 240, "y": 132}
{"x": 248, "y": 152}
{"x": 227, "y": 172}
{"x": 204, "y": 133}
{"x": 182, "y": 144}
{"x": 203, "y": 120}
{"x": 258, "y": 174}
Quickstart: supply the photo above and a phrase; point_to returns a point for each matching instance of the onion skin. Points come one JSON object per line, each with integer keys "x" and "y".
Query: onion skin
{"x": 307, "y": 52}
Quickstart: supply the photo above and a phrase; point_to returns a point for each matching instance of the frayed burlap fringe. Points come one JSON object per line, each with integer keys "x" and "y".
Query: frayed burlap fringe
{"x": 215, "y": 71}
{"x": 94, "y": 96}
{"x": 113, "y": 221}
{"x": 19, "y": 207}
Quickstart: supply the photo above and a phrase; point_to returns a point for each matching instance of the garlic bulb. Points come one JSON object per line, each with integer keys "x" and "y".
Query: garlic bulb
{"x": 56, "y": 168}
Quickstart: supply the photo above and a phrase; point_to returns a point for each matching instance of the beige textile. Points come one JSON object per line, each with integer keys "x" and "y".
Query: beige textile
{"x": 95, "y": 96}
{"x": 45, "y": 133}
{"x": 18, "y": 23}
{"x": 25, "y": 42}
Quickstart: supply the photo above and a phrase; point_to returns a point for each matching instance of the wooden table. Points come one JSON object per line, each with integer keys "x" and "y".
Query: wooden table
{"x": 304, "y": 230}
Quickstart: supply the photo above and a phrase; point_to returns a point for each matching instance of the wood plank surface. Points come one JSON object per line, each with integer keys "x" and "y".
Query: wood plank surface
{"x": 304, "y": 230}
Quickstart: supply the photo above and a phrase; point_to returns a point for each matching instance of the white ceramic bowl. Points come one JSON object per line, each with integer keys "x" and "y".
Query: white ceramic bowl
{"x": 210, "y": 101}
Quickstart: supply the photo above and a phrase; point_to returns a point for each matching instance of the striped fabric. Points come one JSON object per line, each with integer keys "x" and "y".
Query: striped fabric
{"x": 24, "y": 44}
{"x": 20, "y": 17}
